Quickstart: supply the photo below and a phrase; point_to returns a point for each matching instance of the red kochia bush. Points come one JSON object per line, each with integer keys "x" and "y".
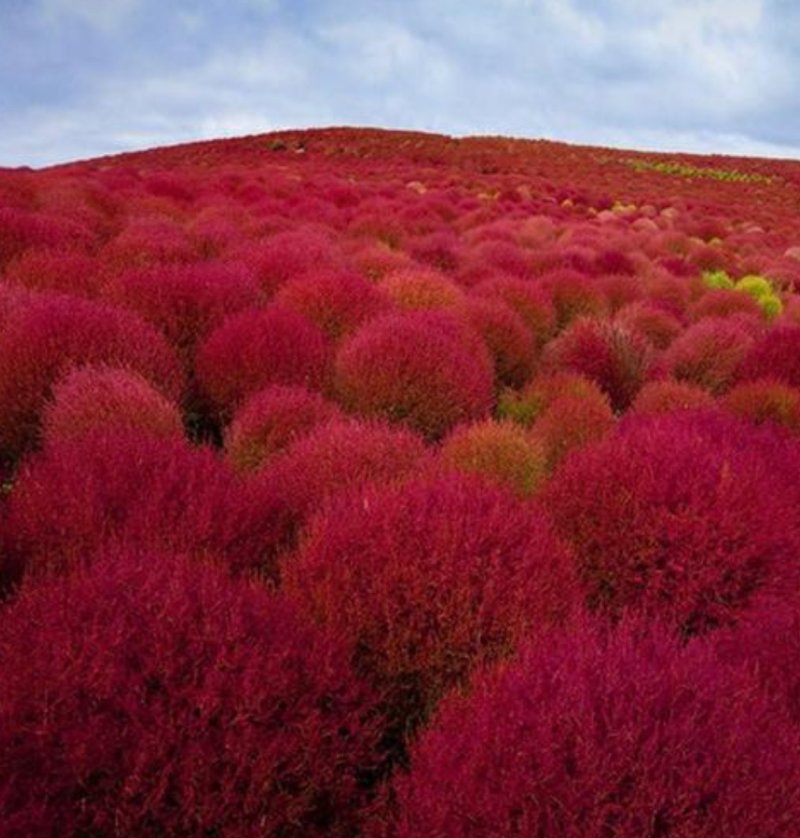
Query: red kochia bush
{"x": 683, "y": 516}
{"x": 56, "y": 269}
{"x": 508, "y": 339}
{"x": 592, "y": 734}
{"x": 765, "y": 400}
{"x": 120, "y": 486}
{"x": 253, "y": 349}
{"x": 708, "y": 354}
{"x": 44, "y": 339}
{"x": 668, "y": 395}
{"x": 528, "y": 299}
{"x": 776, "y": 354}
{"x": 340, "y": 456}
{"x": 270, "y": 420}
{"x": 606, "y": 352}
{"x": 414, "y": 289}
{"x": 427, "y": 369}
{"x": 186, "y": 301}
{"x": 100, "y": 398}
{"x": 427, "y": 580}
{"x": 337, "y": 302}
{"x": 152, "y": 696}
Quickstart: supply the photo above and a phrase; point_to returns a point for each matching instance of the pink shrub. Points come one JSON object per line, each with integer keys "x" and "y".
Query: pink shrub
{"x": 574, "y": 295}
{"x": 723, "y": 302}
{"x": 527, "y": 405}
{"x": 508, "y": 339}
{"x": 151, "y": 696}
{"x": 44, "y": 339}
{"x": 79, "y": 494}
{"x": 100, "y": 398}
{"x": 651, "y": 321}
{"x": 66, "y": 271}
{"x": 528, "y": 299}
{"x": 776, "y": 354}
{"x": 708, "y": 354}
{"x": 254, "y": 349}
{"x": 340, "y": 456}
{"x": 676, "y": 516}
{"x": 338, "y": 303}
{"x": 416, "y": 289}
{"x": 668, "y": 396}
{"x": 427, "y": 580}
{"x": 425, "y": 369}
{"x": 186, "y": 302}
{"x": 606, "y": 352}
{"x": 592, "y": 734}
{"x": 502, "y": 453}
{"x": 271, "y": 420}
{"x": 150, "y": 240}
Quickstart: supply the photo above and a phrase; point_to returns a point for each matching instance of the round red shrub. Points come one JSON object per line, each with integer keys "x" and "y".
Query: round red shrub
{"x": 150, "y": 240}
{"x": 186, "y": 302}
{"x": 426, "y": 369}
{"x": 765, "y": 400}
{"x": 723, "y": 302}
{"x": 708, "y": 354}
{"x": 338, "y": 303}
{"x": 44, "y": 339}
{"x": 78, "y": 494}
{"x": 528, "y": 299}
{"x": 100, "y": 398}
{"x": 254, "y": 349}
{"x": 63, "y": 270}
{"x": 651, "y": 321}
{"x": 339, "y": 456}
{"x": 415, "y": 289}
{"x": 151, "y": 696}
{"x": 683, "y": 516}
{"x": 775, "y": 354}
{"x": 606, "y": 352}
{"x": 667, "y": 396}
{"x": 508, "y": 339}
{"x": 502, "y": 453}
{"x": 428, "y": 580}
{"x": 525, "y": 406}
{"x": 590, "y": 735}
{"x": 270, "y": 420}
{"x": 574, "y": 295}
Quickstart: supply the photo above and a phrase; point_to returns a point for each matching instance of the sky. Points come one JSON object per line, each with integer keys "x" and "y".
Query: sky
{"x": 83, "y": 78}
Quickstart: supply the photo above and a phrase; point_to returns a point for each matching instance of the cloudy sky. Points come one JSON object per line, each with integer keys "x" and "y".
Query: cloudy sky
{"x": 80, "y": 78}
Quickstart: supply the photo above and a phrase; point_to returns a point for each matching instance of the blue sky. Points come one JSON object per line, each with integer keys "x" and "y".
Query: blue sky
{"x": 80, "y": 78}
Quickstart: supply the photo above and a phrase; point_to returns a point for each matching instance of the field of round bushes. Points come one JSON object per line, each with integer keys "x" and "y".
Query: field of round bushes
{"x": 368, "y": 483}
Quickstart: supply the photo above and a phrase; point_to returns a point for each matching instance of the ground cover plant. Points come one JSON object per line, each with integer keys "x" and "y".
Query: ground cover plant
{"x": 371, "y": 483}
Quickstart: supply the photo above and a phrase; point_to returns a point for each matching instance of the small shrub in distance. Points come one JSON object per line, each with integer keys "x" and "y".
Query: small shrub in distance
{"x": 418, "y": 289}
{"x": 668, "y": 395}
{"x": 765, "y": 400}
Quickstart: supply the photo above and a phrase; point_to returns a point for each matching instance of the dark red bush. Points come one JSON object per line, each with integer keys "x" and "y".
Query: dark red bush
{"x": 651, "y": 321}
{"x": 81, "y": 493}
{"x": 152, "y": 696}
{"x": 186, "y": 302}
{"x": 426, "y": 369}
{"x": 254, "y": 349}
{"x": 592, "y": 734}
{"x": 606, "y": 352}
{"x": 427, "y": 580}
{"x": 776, "y": 354}
{"x": 574, "y": 295}
{"x": 64, "y": 270}
{"x": 668, "y": 395}
{"x": 341, "y": 456}
{"x": 271, "y": 420}
{"x": 337, "y": 302}
{"x": 150, "y": 240}
{"x": 100, "y": 398}
{"x": 51, "y": 334}
{"x": 682, "y": 516}
{"x": 528, "y": 299}
{"x": 765, "y": 400}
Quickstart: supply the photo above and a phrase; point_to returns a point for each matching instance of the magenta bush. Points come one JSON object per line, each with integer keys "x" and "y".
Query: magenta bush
{"x": 78, "y": 494}
{"x": 271, "y": 420}
{"x": 592, "y": 734}
{"x": 429, "y": 579}
{"x": 425, "y": 369}
{"x": 683, "y": 516}
{"x": 152, "y": 696}
{"x": 51, "y": 334}
{"x": 254, "y": 349}
{"x": 776, "y": 354}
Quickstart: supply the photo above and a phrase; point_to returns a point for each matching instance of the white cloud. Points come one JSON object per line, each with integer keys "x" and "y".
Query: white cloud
{"x": 103, "y": 15}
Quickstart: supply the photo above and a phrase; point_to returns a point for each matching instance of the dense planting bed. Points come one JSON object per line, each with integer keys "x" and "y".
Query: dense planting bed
{"x": 387, "y": 484}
